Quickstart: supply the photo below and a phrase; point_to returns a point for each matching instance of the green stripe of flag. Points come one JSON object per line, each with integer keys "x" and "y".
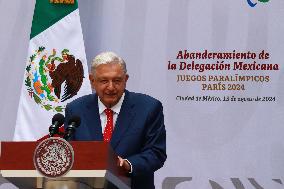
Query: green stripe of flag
{"x": 46, "y": 14}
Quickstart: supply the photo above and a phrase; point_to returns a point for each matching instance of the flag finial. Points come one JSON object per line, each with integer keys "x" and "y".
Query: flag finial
{"x": 62, "y": 1}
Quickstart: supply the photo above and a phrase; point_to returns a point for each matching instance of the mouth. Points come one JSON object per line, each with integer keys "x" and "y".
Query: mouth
{"x": 111, "y": 95}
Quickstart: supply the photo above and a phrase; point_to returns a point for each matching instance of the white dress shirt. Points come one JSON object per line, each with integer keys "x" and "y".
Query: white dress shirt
{"x": 116, "y": 109}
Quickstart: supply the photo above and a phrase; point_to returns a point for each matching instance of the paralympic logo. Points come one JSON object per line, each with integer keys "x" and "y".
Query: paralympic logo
{"x": 252, "y": 4}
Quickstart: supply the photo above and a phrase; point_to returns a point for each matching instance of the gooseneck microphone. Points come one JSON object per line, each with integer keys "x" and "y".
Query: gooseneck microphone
{"x": 57, "y": 121}
{"x": 73, "y": 123}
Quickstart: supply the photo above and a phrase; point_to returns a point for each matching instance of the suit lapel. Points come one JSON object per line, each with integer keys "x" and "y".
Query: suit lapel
{"x": 93, "y": 119}
{"x": 123, "y": 121}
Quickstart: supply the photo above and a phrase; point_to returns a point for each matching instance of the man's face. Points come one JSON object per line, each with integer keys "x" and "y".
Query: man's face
{"x": 109, "y": 82}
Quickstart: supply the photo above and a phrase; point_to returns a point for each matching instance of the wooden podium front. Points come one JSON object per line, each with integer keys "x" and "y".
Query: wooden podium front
{"x": 94, "y": 167}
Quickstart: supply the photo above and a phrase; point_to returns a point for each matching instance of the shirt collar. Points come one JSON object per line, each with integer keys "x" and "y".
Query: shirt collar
{"x": 116, "y": 108}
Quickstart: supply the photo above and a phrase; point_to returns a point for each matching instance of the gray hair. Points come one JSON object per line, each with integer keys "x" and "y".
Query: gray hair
{"x": 107, "y": 58}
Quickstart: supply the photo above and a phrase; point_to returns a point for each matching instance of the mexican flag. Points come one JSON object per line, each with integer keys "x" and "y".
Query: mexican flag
{"x": 56, "y": 69}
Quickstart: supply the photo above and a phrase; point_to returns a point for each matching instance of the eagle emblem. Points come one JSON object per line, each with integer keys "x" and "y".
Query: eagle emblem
{"x": 51, "y": 79}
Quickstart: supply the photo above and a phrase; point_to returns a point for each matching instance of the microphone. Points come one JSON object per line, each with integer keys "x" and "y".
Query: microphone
{"x": 73, "y": 123}
{"x": 57, "y": 121}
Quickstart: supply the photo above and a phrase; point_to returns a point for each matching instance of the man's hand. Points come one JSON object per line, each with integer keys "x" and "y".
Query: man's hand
{"x": 123, "y": 163}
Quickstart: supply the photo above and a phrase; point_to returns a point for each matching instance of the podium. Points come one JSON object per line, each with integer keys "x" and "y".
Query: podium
{"x": 94, "y": 167}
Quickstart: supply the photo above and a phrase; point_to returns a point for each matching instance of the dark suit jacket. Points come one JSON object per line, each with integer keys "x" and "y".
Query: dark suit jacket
{"x": 139, "y": 134}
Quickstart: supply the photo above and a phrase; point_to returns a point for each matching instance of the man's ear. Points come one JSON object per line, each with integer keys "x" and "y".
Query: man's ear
{"x": 92, "y": 80}
{"x": 126, "y": 77}
{"x": 91, "y": 77}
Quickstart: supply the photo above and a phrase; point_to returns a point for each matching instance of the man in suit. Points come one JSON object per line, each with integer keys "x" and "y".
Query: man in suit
{"x": 133, "y": 123}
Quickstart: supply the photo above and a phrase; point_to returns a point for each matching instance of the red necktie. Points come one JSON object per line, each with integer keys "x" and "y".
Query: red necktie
{"x": 109, "y": 125}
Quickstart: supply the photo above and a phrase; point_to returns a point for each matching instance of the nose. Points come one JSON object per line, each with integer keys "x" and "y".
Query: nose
{"x": 110, "y": 86}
